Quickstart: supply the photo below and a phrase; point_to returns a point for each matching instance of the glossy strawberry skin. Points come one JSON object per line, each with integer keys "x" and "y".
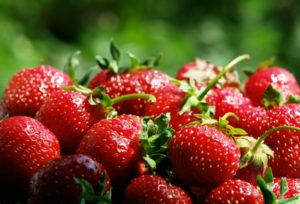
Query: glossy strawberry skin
{"x": 136, "y": 81}
{"x": 115, "y": 144}
{"x": 293, "y": 187}
{"x": 203, "y": 156}
{"x": 179, "y": 120}
{"x": 69, "y": 115}
{"x": 226, "y": 100}
{"x": 153, "y": 189}
{"x": 25, "y": 146}
{"x": 54, "y": 183}
{"x": 235, "y": 191}
{"x": 285, "y": 143}
{"x": 280, "y": 78}
{"x": 28, "y": 89}
{"x": 249, "y": 174}
{"x": 254, "y": 120}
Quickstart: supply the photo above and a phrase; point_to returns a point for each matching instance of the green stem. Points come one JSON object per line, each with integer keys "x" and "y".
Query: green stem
{"x": 78, "y": 88}
{"x": 149, "y": 97}
{"x": 224, "y": 71}
{"x": 269, "y": 132}
{"x": 230, "y": 114}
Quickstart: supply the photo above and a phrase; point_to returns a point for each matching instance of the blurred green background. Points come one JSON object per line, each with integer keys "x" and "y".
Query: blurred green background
{"x": 48, "y": 31}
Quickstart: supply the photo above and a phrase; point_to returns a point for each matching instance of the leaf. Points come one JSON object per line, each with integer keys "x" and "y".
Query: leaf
{"x": 248, "y": 73}
{"x": 103, "y": 98}
{"x": 72, "y": 65}
{"x": 102, "y": 62}
{"x": 272, "y": 97}
{"x": 237, "y": 131}
{"x": 115, "y": 52}
{"x": 269, "y": 196}
{"x": 283, "y": 187}
{"x": 134, "y": 60}
{"x": 293, "y": 99}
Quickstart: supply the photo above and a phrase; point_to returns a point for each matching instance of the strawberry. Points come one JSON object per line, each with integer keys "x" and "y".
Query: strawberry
{"x": 293, "y": 185}
{"x": 203, "y": 72}
{"x": 59, "y": 181}
{"x": 28, "y": 89}
{"x": 203, "y": 156}
{"x": 122, "y": 143}
{"x": 285, "y": 143}
{"x": 226, "y": 100}
{"x": 235, "y": 191}
{"x": 70, "y": 114}
{"x": 137, "y": 79}
{"x": 154, "y": 189}
{"x": 25, "y": 146}
{"x": 277, "y": 77}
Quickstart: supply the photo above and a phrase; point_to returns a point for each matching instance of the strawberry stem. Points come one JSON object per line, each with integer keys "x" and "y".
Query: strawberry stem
{"x": 149, "y": 97}
{"x": 230, "y": 114}
{"x": 269, "y": 132}
{"x": 224, "y": 71}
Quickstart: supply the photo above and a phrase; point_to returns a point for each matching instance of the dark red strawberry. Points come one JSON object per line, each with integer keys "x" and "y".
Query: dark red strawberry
{"x": 203, "y": 156}
{"x": 59, "y": 181}
{"x": 28, "y": 89}
{"x": 277, "y": 77}
{"x": 235, "y": 191}
{"x": 250, "y": 173}
{"x": 115, "y": 144}
{"x": 25, "y": 146}
{"x": 68, "y": 114}
{"x": 153, "y": 189}
{"x": 293, "y": 185}
{"x": 122, "y": 143}
{"x": 285, "y": 143}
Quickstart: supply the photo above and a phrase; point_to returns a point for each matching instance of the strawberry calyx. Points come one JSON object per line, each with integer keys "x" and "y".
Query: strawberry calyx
{"x": 155, "y": 136}
{"x": 273, "y": 97}
{"x": 97, "y": 96}
{"x": 257, "y": 153}
{"x": 222, "y": 124}
{"x": 266, "y": 187}
{"x": 88, "y": 194}
{"x": 266, "y": 63}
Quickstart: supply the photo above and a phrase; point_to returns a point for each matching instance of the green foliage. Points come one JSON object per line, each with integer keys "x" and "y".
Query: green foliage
{"x": 48, "y": 31}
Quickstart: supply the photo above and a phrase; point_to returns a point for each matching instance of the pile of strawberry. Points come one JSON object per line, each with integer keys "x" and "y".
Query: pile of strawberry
{"x": 137, "y": 135}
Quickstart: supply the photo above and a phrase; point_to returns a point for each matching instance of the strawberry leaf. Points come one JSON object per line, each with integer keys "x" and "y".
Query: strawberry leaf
{"x": 115, "y": 52}
{"x": 272, "y": 97}
{"x": 293, "y": 99}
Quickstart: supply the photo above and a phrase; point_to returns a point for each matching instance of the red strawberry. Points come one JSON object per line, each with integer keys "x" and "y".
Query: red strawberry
{"x": 115, "y": 143}
{"x": 285, "y": 143}
{"x": 153, "y": 189}
{"x": 277, "y": 77}
{"x": 68, "y": 114}
{"x": 57, "y": 182}
{"x": 203, "y": 156}
{"x": 226, "y": 100}
{"x": 122, "y": 143}
{"x": 293, "y": 185}
{"x": 25, "y": 146}
{"x": 252, "y": 119}
{"x": 28, "y": 89}
{"x": 235, "y": 191}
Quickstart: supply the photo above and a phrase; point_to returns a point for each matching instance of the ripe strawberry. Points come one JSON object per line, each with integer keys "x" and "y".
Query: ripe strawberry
{"x": 68, "y": 114}
{"x": 25, "y": 146}
{"x": 235, "y": 191}
{"x": 122, "y": 143}
{"x": 115, "y": 144}
{"x": 58, "y": 181}
{"x": 139, "y": 78}
{"x": 285, "y": 143}
{"x": 293, "y": 185}
{"x": 226, "y": 100}
{"x": 154, "y": 189}
{"x": 277, "y": 77}
{"x": 28, "y": 89}
{"x": 203, "y": 156}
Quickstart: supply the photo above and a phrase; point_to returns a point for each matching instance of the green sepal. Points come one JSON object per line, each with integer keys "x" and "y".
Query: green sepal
{"x": 283, "y": 187}
{"x": 152, "y": 62}
{"x": 88, "y": 194}
{"x": 267, "y": 63}
{"x": 155, "y": 136}
{"x": 293, "y": 99}
{"x": 102, "y": 62}
{"x": 248, "y": 73}
{"x": 99, "y": 96}
{"x": 133, "y": 59}
{"x": 6, "y": 116}
{"x": 114, "y": 51}
{"x": 272, "y": 97}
